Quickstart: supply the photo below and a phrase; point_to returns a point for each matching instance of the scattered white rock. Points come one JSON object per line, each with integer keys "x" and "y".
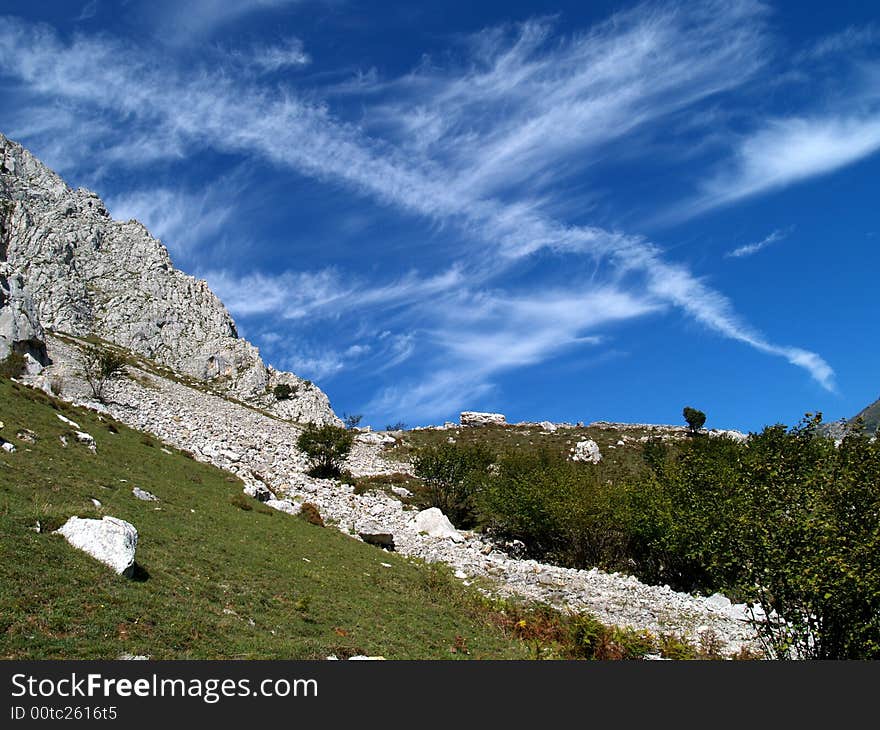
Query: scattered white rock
{"x": 133, "y": 657}
{"x": 87, "y": 439}
{"x": 26, "y": 435}
{"x": 283, "y": 505}
{"x": 374, "y": 535}
{"x": 476, "y": 418}
{"x": 144, "y": 495}
{"x": 7, "y": 447}
{"x": 66, "y": 420}
{"x": 587, "y": 450}
{"x": 433, "y": 522}
{"x": 362, "y": 658}
{"x": 96, "y": 502}
{"x": 548, "y": 426}
{"x": 110, "y": 540}
{"x": 259, "y": 492}
{"x": 375, "y": 438}
{"x": 402, "y": 492}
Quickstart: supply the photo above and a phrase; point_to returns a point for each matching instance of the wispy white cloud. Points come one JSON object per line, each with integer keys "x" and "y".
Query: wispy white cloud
{"x": 195, "y": 20}
{"x": 323, "y": 293}
{"x": 749, "y": 249}
{"x": 289, "y": 54}
{"x": 521, "y": 108}
{"x": 787, "y": 151}
{"x": 525, "y": 100}
{"x": 89, "y": 10}
{"x": 852, "y": 38}
{"x": 180, "y": 218}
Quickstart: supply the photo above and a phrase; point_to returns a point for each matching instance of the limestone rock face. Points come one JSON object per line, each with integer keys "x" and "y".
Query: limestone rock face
{"x": 475, "y": 418}
{"x": 70, "y": 267}
{"x": 110, "y": 540}
{"x": 20, "y": 328}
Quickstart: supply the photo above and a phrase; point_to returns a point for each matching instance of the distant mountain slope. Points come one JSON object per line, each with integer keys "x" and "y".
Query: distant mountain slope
{"x": 870, "y": 416}
{"x": 67, "y": 266}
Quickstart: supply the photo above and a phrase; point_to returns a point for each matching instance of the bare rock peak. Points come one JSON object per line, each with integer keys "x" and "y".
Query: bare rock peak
{"x": 76, "y": 270}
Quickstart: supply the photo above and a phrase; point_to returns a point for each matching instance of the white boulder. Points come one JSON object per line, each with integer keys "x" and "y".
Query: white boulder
{"x": 283, "y": 505}
{"x": 375, "y": 438}
{"x": 144, "y": 495}
{"x": 587, "y": 450}
{"x": 110, "y": 540}
{"x": 433, "y": 522}
{"x": 475, "y": 418}
{"x": 65, "y": 419}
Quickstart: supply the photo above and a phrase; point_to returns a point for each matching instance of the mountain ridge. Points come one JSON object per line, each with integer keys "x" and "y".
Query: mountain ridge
{"x": 68, "y": 266}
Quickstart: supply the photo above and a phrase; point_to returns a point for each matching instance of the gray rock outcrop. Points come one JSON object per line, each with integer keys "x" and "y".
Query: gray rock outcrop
{"x": 69, "y": 267}
{"x": 587, "y": 450}
{"x": 110, "y": 540}
{"x": 476, "y": 418}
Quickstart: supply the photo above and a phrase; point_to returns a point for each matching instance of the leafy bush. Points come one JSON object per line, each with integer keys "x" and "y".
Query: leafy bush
{"x": 13, "y": 365}
{"x": 786, "y": 520}
{"x": 326, "y": 447}
{"x": 562, "y": 510}
{"x": 351, "y": 421}
{"x": 694, "y": 418}
{"x": 399, "y": 426}
{"x": 453, "y": 474}
{"x": 98, "y": 367}
{"x": 283, "y": 391}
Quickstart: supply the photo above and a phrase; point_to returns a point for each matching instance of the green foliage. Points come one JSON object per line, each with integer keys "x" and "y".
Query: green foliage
{"x": 352, "y": 420}
{"x": 786, "y": 520}
{"x": 453, "y": 475}
{"x": 562, "y": 510}
{"x": 694, "y": 418}
{"x": 98, "y": 367}
{"x": 326, "y": 447}
{"x": 12, "y": 365}
{"x": 283, "y": 391}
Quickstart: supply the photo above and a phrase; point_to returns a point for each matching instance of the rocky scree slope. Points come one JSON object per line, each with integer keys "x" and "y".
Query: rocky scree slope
{"x": 67, "y": 266}
{"x": 261, "y": 450}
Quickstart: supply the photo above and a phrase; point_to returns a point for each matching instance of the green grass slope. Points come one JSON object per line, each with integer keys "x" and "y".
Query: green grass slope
{"x": 215, "y": 580}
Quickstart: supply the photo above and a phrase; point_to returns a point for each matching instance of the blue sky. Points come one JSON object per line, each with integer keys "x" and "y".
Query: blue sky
{"x": 566, "y": 211}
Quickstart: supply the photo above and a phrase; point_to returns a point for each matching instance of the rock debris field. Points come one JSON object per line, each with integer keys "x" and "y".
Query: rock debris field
{"x": 261, "y": 450}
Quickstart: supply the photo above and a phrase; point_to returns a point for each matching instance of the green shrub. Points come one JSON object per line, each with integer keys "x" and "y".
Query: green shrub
{"x": 283, "y": 391}
{"x": 352, "y": 420}
{"x": 694, "y": 418}
{"x": 99, "y": 366}
{"x": 453, "y": 474}
{"x": 326, "y": 447}
{"x": 561, "y": 510}
{"x": 13, "y": 365}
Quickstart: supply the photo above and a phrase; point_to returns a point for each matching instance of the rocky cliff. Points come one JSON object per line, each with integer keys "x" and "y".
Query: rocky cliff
{"x": 67, "y": 266}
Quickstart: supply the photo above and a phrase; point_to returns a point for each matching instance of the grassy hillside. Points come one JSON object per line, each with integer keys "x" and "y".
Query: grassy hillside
{"x": 215, "y": 580}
